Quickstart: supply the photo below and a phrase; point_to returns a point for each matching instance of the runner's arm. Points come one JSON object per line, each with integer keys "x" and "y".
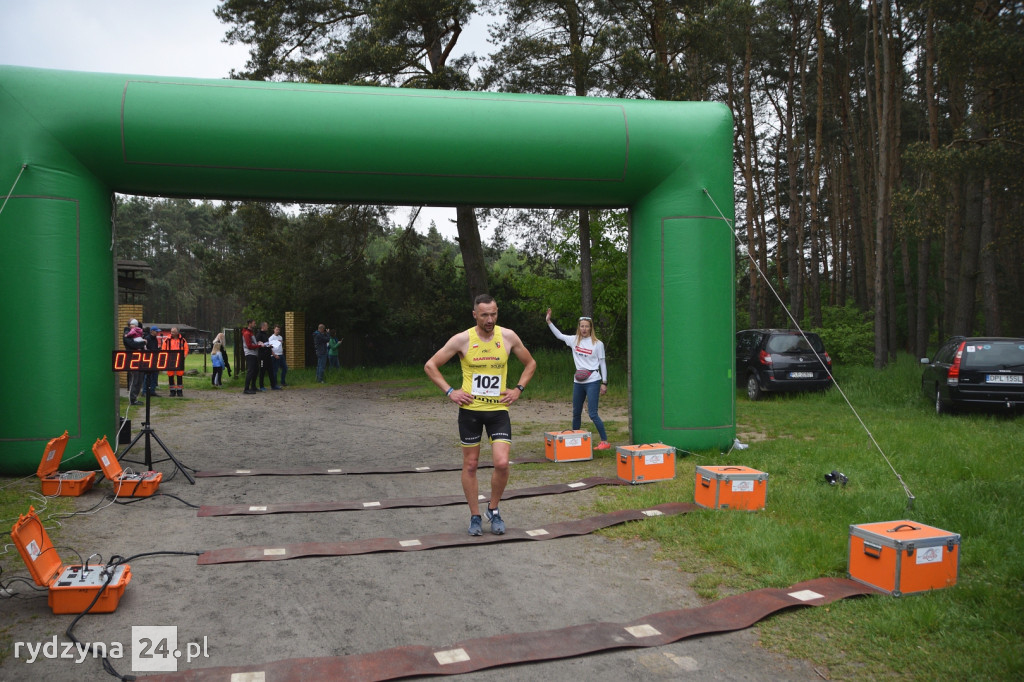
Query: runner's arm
{"x": 457, "y": 344}
{"x": 515, "y": 345}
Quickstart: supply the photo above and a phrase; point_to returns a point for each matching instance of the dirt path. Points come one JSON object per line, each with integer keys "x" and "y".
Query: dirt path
{"x": 257, "y": 612}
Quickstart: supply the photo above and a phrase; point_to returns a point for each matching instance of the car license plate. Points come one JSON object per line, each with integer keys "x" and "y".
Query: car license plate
{"x": 1004, "y": 379}
{"x": 801, "y": 375}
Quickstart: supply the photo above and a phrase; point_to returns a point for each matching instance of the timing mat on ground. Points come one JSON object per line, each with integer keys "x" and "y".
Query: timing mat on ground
{"x": 725, "y": 615}
{"x": 413, "y": 544}
{"x": 329, "y": 470}
{"x": 398, "y": 502}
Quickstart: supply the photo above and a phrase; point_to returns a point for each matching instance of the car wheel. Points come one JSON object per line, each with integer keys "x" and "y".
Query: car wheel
{"x": 940, "y": 407}
{"x": 753, "y": 388}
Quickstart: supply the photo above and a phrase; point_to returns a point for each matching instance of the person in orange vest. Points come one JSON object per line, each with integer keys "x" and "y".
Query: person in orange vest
{"x": 175, "y": 342}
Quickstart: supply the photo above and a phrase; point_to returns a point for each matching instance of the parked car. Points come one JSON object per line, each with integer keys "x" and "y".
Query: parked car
{"x": 981, "y": 371}
{"x": 770, "y": 360}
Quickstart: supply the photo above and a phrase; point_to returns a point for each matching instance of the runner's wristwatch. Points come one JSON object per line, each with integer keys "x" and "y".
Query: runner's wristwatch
{"x": 521, "y": 387}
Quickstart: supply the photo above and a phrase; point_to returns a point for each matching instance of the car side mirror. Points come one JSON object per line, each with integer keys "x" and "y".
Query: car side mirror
{"x": 925, "y": 361}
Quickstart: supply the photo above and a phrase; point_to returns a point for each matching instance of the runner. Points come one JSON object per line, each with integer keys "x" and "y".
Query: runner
{"x": 483, "y": 401}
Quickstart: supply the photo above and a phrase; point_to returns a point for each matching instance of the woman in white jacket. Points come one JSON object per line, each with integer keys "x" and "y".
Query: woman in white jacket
{"x": 591, "y": 378}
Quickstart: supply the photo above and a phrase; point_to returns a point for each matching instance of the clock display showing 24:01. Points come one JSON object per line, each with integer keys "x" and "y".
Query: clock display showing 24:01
{"x": 148, "y": 361}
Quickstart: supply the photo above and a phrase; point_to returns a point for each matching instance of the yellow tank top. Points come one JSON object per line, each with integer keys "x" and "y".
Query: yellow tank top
{"x": 483, "y": 371}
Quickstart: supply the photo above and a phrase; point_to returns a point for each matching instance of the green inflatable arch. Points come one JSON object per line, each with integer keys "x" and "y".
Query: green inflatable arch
{"x": 69, "y": 140}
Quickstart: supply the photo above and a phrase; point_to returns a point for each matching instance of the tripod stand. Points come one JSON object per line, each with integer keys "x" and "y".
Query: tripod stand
{"x": 148, "y": 432}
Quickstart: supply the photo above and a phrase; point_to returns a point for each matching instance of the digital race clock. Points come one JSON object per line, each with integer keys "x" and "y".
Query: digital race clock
{"x": 148, "y": 361}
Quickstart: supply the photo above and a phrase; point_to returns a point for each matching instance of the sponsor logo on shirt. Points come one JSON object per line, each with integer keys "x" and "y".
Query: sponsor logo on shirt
{"x": 584, "y": 351}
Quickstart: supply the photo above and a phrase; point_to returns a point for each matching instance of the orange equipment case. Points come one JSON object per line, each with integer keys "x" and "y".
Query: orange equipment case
{"x": 72, "y": 588}
{"x": 125, "y": 485}
{"x": 903, "y": 557}
{"x": 730, "y": 487}
{"x": 646, "y": 463}
{"x": 568, "y": 446}
{"x": 68, "y": 483}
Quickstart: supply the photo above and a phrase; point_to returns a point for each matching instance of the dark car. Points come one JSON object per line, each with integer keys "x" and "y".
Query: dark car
{"x": 972, "y": 370}
{"x": 769, "y": 360}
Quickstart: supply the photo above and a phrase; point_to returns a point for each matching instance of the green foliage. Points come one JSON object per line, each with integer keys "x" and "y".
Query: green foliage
{"x": 14, "y": 494}
{"x": 848, "y": 334}
{"x": 377, "y": 42}
{"x": 556, "y": 285}
{"x": 394, "y": 295}
{"x": 177, "y": 239}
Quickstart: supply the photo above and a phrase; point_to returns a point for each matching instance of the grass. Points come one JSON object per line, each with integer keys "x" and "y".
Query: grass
{"x": 13, "y": 495}
{"x": 965, "y": 474}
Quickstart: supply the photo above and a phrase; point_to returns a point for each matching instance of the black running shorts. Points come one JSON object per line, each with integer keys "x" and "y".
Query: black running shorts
{"x": 473, "y": 422}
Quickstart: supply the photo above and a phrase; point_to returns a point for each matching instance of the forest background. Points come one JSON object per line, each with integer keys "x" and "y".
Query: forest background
{"x": 879, "y": 155}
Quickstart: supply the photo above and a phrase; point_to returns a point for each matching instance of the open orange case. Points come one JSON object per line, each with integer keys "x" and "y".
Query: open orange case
{"x": 71, "y": 588}
{"x": 903, "y": 557}
{"x": 67, "y": 483}
{"x": 646, "y": 463}
{"x": 730, "y": 487}
{"x": 568, "y": 446}
{"x": 125, "y": 485}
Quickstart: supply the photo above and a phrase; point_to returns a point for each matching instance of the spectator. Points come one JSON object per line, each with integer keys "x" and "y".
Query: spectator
{"x": 219, "y": 359}
{"x": 320, "y": 346}
{"x": 591, "y": 378}
{"x": 278, "y": 362}
{"x": 176, "y": 342}
{"x": 134, "y": 338}
{"x": 332, "y": 348}
{"x": 251, "y": 348}
{"x": 266, "y": 357}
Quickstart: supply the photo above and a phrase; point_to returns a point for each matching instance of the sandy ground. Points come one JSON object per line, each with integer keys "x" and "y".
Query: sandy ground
{"x": 257, "y": 612}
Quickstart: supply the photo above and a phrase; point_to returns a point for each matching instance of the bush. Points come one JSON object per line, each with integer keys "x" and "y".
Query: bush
{"x": 849, "y": 335}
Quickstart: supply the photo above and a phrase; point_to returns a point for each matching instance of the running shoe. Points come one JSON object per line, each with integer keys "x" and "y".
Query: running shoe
{"x": 475, "y": 525}
{"x": 603, "y": 445}
{"x": 497, "y": 525}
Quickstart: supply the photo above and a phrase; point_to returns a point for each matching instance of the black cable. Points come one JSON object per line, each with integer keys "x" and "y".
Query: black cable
{"x": 150, "y": 497}
{"x": 6, "y": 587}
{"x": 114, "y": 562}
{"x": 83, "y": 511}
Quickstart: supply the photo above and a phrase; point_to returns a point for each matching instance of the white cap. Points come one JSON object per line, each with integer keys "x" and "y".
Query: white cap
{"x": 133, "y": 322}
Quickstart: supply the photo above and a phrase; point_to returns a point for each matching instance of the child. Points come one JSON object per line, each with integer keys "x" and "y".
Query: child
{"x": 217, "y": 358}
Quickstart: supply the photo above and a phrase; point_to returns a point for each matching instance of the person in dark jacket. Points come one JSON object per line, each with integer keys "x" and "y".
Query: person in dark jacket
{"x": 320, "y": 345}
{"x": 134, "y": 338}
{"x": 266, "y": 357}
{"x": 252, "y": 361}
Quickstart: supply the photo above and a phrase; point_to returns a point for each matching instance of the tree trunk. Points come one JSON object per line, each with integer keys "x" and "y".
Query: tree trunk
{"x": 748, "y": 185}
{"x": 586, "y": 277}
{"x": 884, "y": 118}
{"x": 794, "y": 265}
{"x": 967, "y": 284}
{"x": 989, "y": 278}
{"x": 924, "y": 253}
{"x": 472, "y": 251}
{"x": 952, "y": 243}
{"x": 924, "y": 246}
{"x": 815, "y": 284}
